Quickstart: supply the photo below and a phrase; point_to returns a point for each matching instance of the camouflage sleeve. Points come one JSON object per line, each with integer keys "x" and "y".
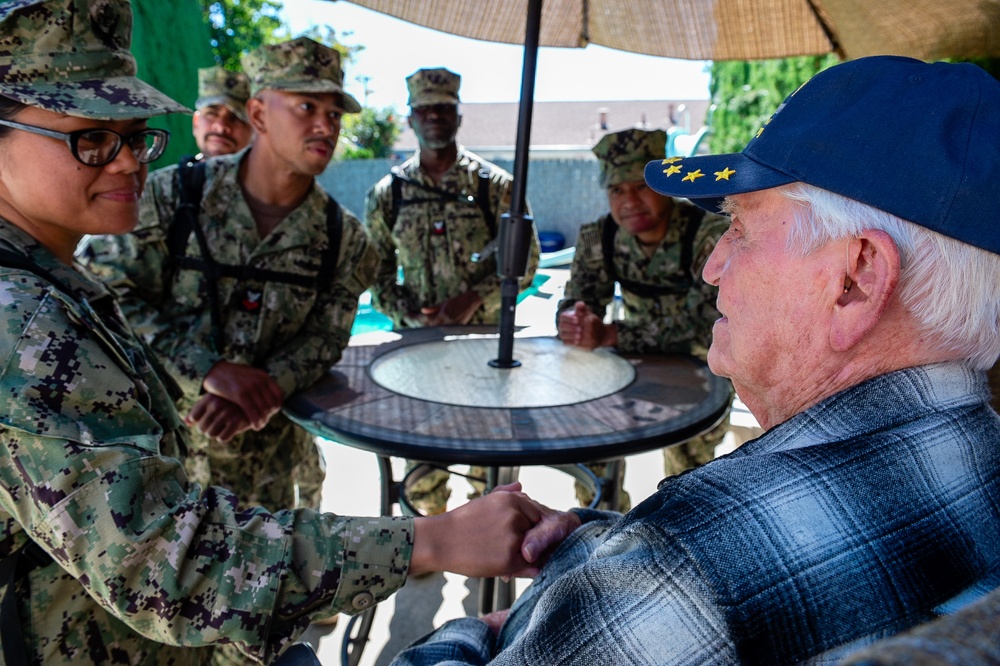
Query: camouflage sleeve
{"x": 588, "y": 278}
{"x": 326, "y": 330}
{"x": 82, "y": 475}
{"x": 389, "y": 297}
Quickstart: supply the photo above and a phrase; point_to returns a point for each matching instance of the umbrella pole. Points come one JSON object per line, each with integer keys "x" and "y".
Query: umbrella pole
{"x": 516, "y": 226}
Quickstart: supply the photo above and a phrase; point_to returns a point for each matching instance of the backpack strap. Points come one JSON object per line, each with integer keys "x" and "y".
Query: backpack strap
{"x": 609, "y": 230}
{"x": 482, "y": 200}
{"x": 191, "y": 185}
{"x": 334, "y": 235}
{"x": 16, "y": 566}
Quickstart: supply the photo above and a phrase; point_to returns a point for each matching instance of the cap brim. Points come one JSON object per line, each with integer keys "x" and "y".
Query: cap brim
{"x": 432, "y": 99}
{"x": 223, "y": 100}
{"x": 707, "y": 179}
{"x": 350, "y": 104}
{"x": 114, "y": 98}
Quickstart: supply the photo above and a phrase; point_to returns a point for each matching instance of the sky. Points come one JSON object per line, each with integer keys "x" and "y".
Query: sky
{"x": 491, "y": 72}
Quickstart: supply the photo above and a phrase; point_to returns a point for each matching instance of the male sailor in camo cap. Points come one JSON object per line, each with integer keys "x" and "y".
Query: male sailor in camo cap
{"x": 219, "y": 123}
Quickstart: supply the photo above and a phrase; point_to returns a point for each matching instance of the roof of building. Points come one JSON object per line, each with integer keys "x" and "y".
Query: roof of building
{"x": 488, "y": 127}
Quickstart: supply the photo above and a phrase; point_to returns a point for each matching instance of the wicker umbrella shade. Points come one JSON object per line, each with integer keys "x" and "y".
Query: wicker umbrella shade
{"x": 725, "y": 29}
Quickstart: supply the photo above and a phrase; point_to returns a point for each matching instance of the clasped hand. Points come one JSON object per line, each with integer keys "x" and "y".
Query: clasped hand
{"x": 237, "y": 398}
{"x": 580, "y": 327}
{"x": 505, "y": 533}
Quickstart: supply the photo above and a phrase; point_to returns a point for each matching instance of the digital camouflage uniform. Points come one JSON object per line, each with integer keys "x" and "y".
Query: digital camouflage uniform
{"x": 432, "y": 241}
{"x": 292, "y": 332}
{"x": 669, "y": 323}
{"x": 146, "y": 562}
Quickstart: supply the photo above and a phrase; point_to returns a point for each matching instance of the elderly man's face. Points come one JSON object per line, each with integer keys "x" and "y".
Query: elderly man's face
{"x": 776, "y": 305}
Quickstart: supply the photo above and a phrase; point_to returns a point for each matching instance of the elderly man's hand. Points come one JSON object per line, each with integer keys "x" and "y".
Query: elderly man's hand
{"x": 218, "y": 418}
{"x": 580, "y": 327}
{"x": 252, "y": 389}
{"x": 542, "y": 539}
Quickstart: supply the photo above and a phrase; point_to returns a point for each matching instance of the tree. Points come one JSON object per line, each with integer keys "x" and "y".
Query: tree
{"x": 240, "y": 26}
{"x": 746, "y": 93}
{"x": 368, "y": 134}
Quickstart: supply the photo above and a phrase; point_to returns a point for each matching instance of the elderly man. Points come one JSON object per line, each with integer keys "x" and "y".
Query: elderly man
{"x": 654, "y": 248}
{"x": 857, "y": 286}
{"x": 219, "y": 124}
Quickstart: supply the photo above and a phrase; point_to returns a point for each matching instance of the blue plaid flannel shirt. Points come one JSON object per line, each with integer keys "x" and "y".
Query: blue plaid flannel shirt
{"x": 867, "y": 514}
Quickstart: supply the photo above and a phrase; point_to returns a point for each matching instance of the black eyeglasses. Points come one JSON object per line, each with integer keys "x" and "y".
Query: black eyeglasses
{"x": 97, "y": 147}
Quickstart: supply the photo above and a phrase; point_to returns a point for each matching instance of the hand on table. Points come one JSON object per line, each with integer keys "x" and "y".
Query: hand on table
{"x": 217, "y": 417}
{"x": 487, "y": 536}
{"x": 456, "y": 310}
{"x": 580, "y": 327}
{"x": 251, "y": 389}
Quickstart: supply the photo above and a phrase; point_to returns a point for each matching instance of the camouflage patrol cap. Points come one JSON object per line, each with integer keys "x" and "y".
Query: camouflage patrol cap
{"x": 217, "y": 85}
{"x": 623, "y": 155}
{"x": 300, "y": 65}
{"x": 72, "y": 57}
{"x": 433, "y": 86}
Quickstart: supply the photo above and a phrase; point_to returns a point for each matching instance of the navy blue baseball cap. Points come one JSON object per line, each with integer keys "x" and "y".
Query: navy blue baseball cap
{"x": 918, "y": 140}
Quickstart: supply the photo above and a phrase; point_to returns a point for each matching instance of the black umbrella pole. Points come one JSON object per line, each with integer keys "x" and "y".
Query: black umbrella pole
{"x": 512, "y": 265}
{"x": 508, "y": 304}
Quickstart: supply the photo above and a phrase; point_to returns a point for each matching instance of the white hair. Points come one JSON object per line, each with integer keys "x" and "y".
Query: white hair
{"x": 951, "y": 288}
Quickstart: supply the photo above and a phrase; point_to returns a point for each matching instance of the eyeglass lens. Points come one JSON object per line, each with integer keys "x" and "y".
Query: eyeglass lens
{"x": 98, "y": 147}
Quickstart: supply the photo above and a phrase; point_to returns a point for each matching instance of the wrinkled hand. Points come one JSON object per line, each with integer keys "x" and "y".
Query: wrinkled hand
{"x": 218, "y": 418}
{"x": 456, "y": 310}
{"x": 252, "y": 389}
{"x": 582, "y": 328}
{"x": 495, "y": 620}
{"x": 542, "y": 539}
{"x": 480, "y": 539}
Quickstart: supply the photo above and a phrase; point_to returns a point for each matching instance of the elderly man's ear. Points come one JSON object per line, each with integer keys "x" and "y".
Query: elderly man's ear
{"x": 868, "y": 286}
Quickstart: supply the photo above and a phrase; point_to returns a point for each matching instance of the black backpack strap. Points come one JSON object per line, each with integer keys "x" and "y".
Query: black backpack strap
{"x": 397, "y": 196}
{"x": 608, "y": 231}
{"x": 687, "y": 243}
{"x": 484, "y": 200}
{"x": 334, "y": 234}
{"x": 16, "y": 566}
{"x": 190, "y": 186}
{"x": 609, "y": 228}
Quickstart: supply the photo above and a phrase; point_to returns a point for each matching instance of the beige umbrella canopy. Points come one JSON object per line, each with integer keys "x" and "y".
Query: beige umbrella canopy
{"x": 725, "y": 29}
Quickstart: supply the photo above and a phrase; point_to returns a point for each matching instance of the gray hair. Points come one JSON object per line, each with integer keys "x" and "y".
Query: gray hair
{"x": 951, "y": 288}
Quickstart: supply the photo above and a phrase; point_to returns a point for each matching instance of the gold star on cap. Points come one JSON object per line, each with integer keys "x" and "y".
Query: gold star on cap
{"x": 671, "y": 160}
{"x": 724, "y": 174}
{"x": 671, "y": 170}
{"x": 693, "y": 175}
